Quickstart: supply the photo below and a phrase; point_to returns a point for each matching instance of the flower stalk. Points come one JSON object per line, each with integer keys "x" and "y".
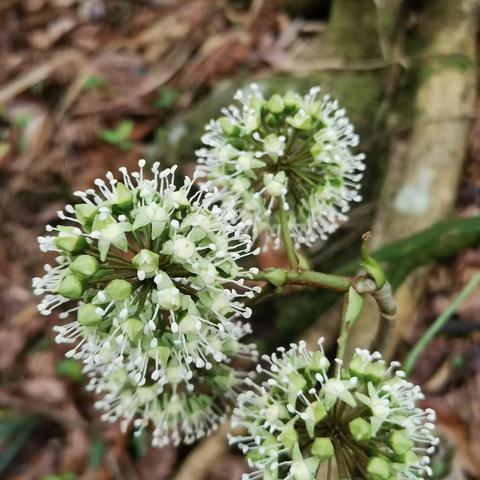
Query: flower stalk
{"x": 286, "y": 237}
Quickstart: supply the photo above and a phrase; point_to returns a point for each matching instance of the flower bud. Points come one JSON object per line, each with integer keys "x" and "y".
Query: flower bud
{"x": 360, "y": 429}
{"x": 301, "y": 120}
{"x": 119, "y": 289}
{"x": 322, "y": 448}
{"x": 85, "y": 213}
{"x": 123, "y": 198}
{"x": 183, "y": 248}
{"x": 228, "y": 127}
{"x": 273, "y": 145}
{"x": 288, "y": 436}
{"x": 400, "y": 442}
{"x": 71, "y": 287}
{"x": 87, "y": 315}
{"x": 84, "y": 266}
{"x": 276, "y": 104}
{"x": 133, "y": 327}
{"x": 70, "y": 241}
{"x": 146, "y": 261}
{"x": 169, "y": 298}
{"x": 378, "y": 468}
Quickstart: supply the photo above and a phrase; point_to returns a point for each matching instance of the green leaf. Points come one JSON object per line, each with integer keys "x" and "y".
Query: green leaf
{"x": 166, "y": 98}
{"x": 93, "y": 81}
{"x": 354, "y": 306}
{"x": 69, "y": 368}
{"x": 15, "y": 431}
{"x": 437, "y": 242}
{"x": 119, "y": 136}
{"x": 97, "y": 452}
{"x": 296, "y": 312}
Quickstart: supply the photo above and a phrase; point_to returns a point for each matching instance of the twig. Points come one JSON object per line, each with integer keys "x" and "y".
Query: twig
{"x": 37, "y": 75}
{"x": 22, "y": 405}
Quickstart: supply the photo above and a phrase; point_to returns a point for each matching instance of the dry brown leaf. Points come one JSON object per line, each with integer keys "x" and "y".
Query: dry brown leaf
{"x": 157, "y": 464}
{"x": 227, "y": 467}
{"x": 12, "y": 342}
{"x": 46, "y": 390}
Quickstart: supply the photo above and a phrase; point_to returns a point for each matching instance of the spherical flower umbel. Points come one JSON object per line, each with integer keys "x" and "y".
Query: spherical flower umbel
{"x": 150, "y": 273}
{"x": 287, "y": 152}
{"x": 364, "y": 418}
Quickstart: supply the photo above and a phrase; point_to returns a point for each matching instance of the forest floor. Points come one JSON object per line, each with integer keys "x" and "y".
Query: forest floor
{"x": 87, "y": 87}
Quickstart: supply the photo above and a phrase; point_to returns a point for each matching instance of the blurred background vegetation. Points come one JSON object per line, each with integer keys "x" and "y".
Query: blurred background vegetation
{"x": 87, "y": 86}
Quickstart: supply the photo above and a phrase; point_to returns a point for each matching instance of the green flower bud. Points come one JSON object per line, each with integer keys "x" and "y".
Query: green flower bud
{"x": 119, "y": 289}
{"x": 289, "y": 436}
{"x": 296, "y": 382}
{"x": 322, "y": 448}
{"x": 87, "y": 315}
{"x": 163, "y": 355}
{"x": 224, "y": 380}
{"x": 146, "y": 261}
{"x": 169, "y": 298}
{"x": 301, "y": 120}
{"x": 133, "y": 328}
{"x": 71, "y": 287}
{"x": 276, "y": 104}
{"x": 123, "y": 198}
{"x": 292, "y": 100}
{"x": 400, "y": 442}
{"x": 317, "y": 150}
{"x": 228, "y": 127}
{"x": 375, "y": 371}
{"x": 315, "y": 109}
{"x": 319, "y": 362}
{"x": 69, "y": 241}
{"x": 84, "y": 266}
{"x": 271, "y": 120}
{"x": 360, "y": 429}
{"x": 273, "y": 145}
{"x": 379, "y": 468}
{"x": 85, "y": 213}
{"x": 230, "y": 347}
{"x": 314, "y": 414}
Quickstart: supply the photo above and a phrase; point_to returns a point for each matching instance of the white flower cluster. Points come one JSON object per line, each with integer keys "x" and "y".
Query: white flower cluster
{"x": 364, "y": 418}
{"x": 284, "y": 152}
{"x": 150, "y": 272}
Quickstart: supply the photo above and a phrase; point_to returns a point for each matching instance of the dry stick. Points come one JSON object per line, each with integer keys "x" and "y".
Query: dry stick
{"x": 37, "y": 75}
{"x": 200, "y": 460}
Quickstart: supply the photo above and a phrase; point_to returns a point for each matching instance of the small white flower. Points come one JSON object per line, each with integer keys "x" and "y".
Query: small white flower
{"x": 147, "y": 271}
{"x": 301, "y": 416}
{"x": 290, "y": 150}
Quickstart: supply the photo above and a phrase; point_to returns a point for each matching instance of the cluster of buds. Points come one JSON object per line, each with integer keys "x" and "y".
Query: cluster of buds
{"x": 364, "y": 418}
{"x": 286, "y": 152}
{"x": 149, "y": 271}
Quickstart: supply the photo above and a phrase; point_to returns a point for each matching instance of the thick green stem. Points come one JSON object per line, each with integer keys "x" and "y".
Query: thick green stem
{"x": 387, "y": 310}
{"x": 286, "y": 238}
{"x": 439, "y": 323}
{"x": 279, "y": 277}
